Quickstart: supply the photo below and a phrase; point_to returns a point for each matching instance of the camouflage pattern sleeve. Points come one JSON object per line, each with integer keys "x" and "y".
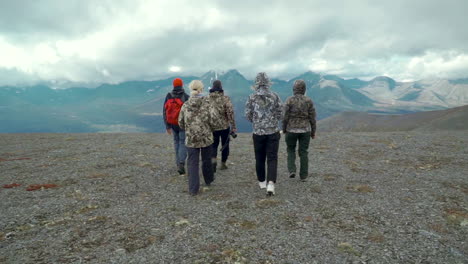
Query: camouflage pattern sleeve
{"x": 248, "y": 109}
{"x": 278, "y": 108}
{"x": 207, "y": 105}
{"x": 312, "y": 118}
{"x": 230, "y": 113}
{"x": 181, "y": 117}
{"x": 286, "y": 115}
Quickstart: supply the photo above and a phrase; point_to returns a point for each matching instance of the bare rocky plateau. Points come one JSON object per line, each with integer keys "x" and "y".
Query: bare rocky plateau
{"x": 390, "y": 197}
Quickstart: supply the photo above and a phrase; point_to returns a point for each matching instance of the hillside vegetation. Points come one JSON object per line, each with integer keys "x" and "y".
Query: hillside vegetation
{"x": 450, "y": 119}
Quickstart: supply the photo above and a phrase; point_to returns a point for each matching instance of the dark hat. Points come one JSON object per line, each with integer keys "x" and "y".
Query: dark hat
{"x": 217, "y": 87}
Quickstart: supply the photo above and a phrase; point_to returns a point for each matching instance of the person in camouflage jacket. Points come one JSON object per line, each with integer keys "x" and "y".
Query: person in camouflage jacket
{"x": 264, "y": 109}
{"x": 222, "y": 114}
{"x": 195, "y": 119}
{"x": 299, "y": 125}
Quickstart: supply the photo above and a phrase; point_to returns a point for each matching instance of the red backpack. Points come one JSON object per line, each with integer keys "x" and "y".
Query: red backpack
{"x": 173, "y": 106}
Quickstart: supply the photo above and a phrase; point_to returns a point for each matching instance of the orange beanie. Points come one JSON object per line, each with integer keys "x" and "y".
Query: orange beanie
{"x": 177, "y": 82}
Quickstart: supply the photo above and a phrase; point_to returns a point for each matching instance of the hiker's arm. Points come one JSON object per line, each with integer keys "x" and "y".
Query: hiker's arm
{"x": 286, "y": 116}
{"x": 279, "y": 108}
{"x": 248, "y": 110}
{"x": 312, "y": 119}
{"x": 181, "y": 119}
{"x": 230, "y": 115}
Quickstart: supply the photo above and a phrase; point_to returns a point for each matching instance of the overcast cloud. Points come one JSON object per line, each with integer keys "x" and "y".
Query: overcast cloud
{"x": 114, "y": 41}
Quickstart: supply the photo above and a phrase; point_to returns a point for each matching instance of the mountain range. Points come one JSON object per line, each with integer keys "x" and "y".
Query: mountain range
{"x": 135, "y": 106}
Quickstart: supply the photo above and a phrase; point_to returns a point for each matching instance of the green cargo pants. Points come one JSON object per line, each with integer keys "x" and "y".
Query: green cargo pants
{"x": 291, "y": 141}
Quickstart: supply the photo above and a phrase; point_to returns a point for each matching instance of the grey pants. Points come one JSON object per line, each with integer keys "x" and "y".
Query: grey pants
{"x": 193, "y": 162}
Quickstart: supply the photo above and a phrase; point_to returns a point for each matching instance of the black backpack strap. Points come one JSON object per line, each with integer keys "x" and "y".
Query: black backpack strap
{"x": 184, "y": 97}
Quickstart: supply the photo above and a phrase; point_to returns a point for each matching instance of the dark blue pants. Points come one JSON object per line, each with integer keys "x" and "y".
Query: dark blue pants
{"x": 179, "y": 145}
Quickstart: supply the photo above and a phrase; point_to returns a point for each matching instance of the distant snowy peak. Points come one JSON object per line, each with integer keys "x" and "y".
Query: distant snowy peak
{"x": 431, "y": 92}
{"x": 380, "y": 89}
{"x": 323, "y": 83}
{"x": 384, "y": 81}
{"x": 453, "y": 93}
{"x": 212, "y": 75}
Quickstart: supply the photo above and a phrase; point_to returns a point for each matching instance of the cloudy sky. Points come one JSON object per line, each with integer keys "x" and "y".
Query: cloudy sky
{"x": 116, "y": 40}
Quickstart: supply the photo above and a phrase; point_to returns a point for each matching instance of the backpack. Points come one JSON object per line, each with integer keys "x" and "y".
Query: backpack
{"x": 173, "y": 106}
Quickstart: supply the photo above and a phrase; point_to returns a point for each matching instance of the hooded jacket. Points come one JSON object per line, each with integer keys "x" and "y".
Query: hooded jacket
{"x": 222, "y": 111}
{"x": 263, "y": 108}
{"x": 177, "y": 92}
{"x": 299, "y": 112}
{"x": 195, "y": 119}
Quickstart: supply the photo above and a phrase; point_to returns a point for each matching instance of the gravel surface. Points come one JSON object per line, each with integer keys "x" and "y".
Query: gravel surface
{"x": 370, "y": 198}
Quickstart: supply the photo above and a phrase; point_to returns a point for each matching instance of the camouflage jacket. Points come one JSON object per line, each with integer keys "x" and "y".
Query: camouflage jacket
{"x": 263, "y": 109}
{"x": 222, "y": 111}
{"x": 299, "y": 113}
{"x": 195, "y": 119}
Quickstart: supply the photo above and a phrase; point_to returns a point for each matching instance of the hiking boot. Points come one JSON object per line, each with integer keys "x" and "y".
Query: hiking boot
{"x": 262, "y": 184}
{"x": 271, "y": 188}
{"x": 304, "y": 180}
{"x": 223, "y": 166}
{"x": 292, "y": 175}
{"x": 181, "y": 169}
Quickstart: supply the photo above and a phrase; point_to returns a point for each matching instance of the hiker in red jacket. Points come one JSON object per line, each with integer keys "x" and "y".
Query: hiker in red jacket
{"x": 172, "y": 105}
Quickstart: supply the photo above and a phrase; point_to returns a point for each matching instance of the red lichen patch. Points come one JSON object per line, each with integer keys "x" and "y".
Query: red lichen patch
{"x": 13, "y": 185}
{"x": 376, "y": 237}
{"x": 98, "y": 175}
{"x": 456, "y": 216}
{"x": 457, "y": 212}
{"x": 34, "y": 187}
{"x": 1, "y": 159}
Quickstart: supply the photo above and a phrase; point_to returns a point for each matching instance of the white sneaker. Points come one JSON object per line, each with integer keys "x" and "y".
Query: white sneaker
{"x": 262, "y": 184}
{"x": 271, "y": 188}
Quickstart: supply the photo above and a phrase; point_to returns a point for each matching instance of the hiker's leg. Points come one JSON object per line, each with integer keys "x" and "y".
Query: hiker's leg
{"x": 207, "y": 167}
{"x": 175, "y": 137}
{"x": 304, "y": 140}
{"x": 182, "y": 148}
{"x": 272, "y": 147}
{"x": 216, "y": 135}
{"x": 260, "y": 156}
{"x": 225, "y": 144}
{"x": 291, "y": 140}
{"x": 193, "y": 168}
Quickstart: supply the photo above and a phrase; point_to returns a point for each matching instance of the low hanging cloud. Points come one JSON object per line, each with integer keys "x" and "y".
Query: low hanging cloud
{"x": 115, "y": 41}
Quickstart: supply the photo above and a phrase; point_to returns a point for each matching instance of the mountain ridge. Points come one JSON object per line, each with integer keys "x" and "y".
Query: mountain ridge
{"x": 138, "y": 103}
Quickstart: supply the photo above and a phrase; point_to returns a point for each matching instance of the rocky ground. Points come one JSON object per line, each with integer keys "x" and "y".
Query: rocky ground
{"x": 116, "y": 198}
